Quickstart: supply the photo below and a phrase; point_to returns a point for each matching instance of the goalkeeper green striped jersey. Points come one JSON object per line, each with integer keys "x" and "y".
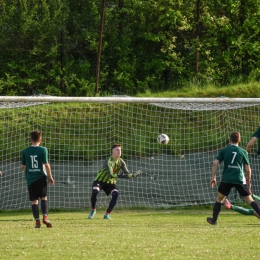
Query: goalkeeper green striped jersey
{"x": 234, "y": 159}
{"x": 34, "y": 158}
{"x": 257, "y": 135}
{"x": 111, "y": 170}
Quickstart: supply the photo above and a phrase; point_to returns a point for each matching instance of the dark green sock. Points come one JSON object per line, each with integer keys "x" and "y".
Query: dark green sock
{"x": 243, "y": 210}
{"x": 256, "y": 207}
{"x": 35, "y": 210}
{"x": 44, "y": 207}
{"x": 216, "y": 210}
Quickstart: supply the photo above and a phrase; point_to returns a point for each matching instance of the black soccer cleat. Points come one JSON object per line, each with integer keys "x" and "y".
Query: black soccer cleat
{"x": 38, "y": 224}
{"x": 211, "y": 222}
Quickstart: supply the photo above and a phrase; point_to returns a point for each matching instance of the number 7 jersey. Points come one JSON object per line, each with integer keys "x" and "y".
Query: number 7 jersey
{"x": 234, "y": 158}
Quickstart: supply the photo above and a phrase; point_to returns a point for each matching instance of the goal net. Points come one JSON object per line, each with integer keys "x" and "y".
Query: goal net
{"x": 79, "y": 133}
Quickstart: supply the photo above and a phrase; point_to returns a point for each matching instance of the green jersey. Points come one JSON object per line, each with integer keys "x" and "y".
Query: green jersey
{"x": 257, "y": 135}
{"x": 111, "y": 170}
{"x": 234, "y": 159}
{"x": 34, "y": 158}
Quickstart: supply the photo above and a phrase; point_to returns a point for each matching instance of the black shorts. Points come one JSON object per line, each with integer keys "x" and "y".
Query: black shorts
{"x": 38, "y": 189}
{"x": 225, "y": 188}
{"x": 107, "y": 187}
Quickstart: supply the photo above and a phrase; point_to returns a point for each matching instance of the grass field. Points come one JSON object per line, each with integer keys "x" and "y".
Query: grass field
{"x": 131, "y": 234}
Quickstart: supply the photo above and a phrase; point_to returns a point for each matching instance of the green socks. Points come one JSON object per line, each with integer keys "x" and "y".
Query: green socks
{"x": 255, "y": 197}
{"x": 243, "y": 210}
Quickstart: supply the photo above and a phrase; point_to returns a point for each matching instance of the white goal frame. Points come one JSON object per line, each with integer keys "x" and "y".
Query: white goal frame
{"x": 125, "y": 99}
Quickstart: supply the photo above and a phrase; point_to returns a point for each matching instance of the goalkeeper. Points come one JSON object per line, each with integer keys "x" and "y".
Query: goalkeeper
{"x": 242, "y": 210}
{"x": 107, "y": 177}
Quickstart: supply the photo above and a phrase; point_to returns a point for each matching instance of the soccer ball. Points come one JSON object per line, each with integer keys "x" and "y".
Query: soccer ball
{"x": 163, "y": 139}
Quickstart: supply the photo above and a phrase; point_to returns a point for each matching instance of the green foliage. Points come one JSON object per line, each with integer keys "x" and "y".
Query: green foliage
{"x": 197, "y": 89}
{"x": 51, "y": 46}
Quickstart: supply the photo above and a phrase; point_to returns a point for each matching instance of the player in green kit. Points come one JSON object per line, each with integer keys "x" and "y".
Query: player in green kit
{"x": 256, "y": 136}
{"x": 235, "y": 159}
{"x": 107, "y": 177}
{"x": 35, "y": 166}
{"x": 242, "y": 210}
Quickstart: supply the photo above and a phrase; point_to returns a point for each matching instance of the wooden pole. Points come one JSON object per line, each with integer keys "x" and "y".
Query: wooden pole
{"x": 62, "y": 61}
{"x": 100, "y": 45}
{"x": 197, "y": 37}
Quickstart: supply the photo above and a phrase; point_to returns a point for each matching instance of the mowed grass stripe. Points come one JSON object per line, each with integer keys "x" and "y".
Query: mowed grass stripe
{"x": 130, "y": 235}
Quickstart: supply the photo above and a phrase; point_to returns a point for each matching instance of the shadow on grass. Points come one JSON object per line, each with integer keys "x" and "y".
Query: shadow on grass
{"x": 139, "y": 208}
{"x": 16, "y": 220}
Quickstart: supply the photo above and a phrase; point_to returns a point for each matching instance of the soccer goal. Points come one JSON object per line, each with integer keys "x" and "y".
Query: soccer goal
{"x": 79, "y": 132}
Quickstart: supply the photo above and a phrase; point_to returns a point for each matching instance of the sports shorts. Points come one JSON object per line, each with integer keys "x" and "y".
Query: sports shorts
{"x": 38, "y": 189}
{"x": 225, "y": 188}
{"x": 107, "y": 187}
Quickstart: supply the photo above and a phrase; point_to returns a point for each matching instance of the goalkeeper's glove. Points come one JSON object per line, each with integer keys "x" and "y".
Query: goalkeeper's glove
{"x": 137, "y": 173}
{"x": 134, "y": 175}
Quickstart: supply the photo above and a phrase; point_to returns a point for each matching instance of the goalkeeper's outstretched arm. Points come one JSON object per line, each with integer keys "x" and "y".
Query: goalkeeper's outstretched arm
{"x": 129, "y": 175}
{"x": 126, "y": 174}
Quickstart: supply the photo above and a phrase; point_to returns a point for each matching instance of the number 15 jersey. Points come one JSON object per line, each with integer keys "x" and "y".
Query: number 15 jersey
{"x": 34, "y": 158}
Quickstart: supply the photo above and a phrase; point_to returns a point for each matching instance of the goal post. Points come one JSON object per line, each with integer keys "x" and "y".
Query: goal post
{"x": 79, "y": 132}
{"x": 125, "y": 99}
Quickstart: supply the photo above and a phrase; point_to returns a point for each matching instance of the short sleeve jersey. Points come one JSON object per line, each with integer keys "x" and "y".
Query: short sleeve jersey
{"x": 111, "y": 169}
{"x": 34, "y": 158}
{"x": 234, "y": 159}
{"x": 257, "y": 135}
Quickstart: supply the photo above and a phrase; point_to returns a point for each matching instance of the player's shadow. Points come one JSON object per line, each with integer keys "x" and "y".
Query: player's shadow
{"x": 253, "y": 225}
{"x": 15, "y": 220}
